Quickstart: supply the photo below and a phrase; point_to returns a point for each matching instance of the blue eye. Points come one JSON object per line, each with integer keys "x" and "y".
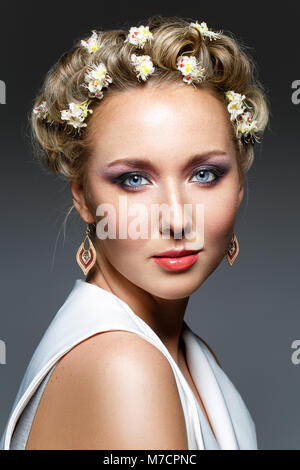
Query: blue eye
{"x": 204, "y": 176}
{"x": 135, "y": 178}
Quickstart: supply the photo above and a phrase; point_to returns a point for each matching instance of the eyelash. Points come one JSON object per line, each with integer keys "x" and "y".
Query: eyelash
{"x": 120, "y": 181}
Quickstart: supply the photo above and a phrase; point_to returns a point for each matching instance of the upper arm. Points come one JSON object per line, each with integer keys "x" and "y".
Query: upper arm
{"x": 114, "y": 391}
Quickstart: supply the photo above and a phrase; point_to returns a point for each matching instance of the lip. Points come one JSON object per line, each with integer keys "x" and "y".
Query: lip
{"x": 174, "y": 260}
{"x": 175, "y": 253}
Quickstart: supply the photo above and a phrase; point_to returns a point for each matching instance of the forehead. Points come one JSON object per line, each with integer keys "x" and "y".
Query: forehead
{"x": 157, "y": 121}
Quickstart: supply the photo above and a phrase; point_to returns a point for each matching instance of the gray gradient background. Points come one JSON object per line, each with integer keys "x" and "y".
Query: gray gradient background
{"x": 248, "y": 313}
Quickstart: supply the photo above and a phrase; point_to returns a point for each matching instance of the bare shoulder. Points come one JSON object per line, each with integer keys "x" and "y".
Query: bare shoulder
{"x": 114, "y": 390}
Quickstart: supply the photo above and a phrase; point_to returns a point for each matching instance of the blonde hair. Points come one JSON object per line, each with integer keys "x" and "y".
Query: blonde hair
{"x": 228, "y": 67}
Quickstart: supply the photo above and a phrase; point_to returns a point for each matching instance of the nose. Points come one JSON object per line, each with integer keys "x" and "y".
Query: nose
{"x": 175, "y": 220}
{"x": 176, "y": 215}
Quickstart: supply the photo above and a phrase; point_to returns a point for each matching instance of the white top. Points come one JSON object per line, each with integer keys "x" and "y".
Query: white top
{"x": 89, "y": 310}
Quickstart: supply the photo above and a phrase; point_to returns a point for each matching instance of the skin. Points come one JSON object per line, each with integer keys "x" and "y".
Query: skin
{"x": 165, "y": 126}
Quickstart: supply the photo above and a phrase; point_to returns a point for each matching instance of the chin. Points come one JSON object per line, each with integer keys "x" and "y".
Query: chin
{"x": 174, "y": 289}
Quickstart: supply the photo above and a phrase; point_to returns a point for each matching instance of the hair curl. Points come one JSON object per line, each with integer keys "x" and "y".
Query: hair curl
{"x": 228, "y": 67}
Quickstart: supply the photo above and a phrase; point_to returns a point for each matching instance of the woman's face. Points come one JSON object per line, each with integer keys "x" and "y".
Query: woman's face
{"x": 183, "y": 136}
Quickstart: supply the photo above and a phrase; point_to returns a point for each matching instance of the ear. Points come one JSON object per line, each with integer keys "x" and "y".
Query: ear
{"x": 80, "y": 202}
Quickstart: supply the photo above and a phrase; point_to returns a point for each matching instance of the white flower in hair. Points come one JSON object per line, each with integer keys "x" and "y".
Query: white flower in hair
{"x": 92, "y": 44}
{"x": 245, "y": 126}
{"x": 233, "y": 96}
{"x": 143, "y": 65}
{"x": 97, "y": 78}
{"x": 76, "y": 114}
{"x": 204, "y": 31}
{"x": 190, "y": 68}
{"x": 42, "y": 111}
{"x": 235, "y": 106}
{"x": 139, "y": 36}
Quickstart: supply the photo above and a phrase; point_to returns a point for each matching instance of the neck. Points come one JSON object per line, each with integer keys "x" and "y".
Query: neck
{"x": 163, "y": 316}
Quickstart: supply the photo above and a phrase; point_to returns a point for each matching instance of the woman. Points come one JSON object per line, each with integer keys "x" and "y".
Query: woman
{"x": 164, "y": 115}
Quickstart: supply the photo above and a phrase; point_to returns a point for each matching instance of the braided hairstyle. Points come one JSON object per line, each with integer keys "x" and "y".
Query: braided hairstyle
{"x": 227, "y": 67}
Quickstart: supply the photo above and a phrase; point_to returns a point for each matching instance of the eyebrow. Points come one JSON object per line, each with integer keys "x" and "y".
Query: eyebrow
{"x": 148, "y": 165}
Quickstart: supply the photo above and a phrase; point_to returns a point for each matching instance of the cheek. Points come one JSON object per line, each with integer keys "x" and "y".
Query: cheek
{"x": 129, "y": 224}
{"x": 219, "y": 216}
{"x": 126, "y": 256}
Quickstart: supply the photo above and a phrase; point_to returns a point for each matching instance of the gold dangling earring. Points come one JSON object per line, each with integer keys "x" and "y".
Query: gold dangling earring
{"x": 233, "y": 250}
{"x": 86, "y": 258}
